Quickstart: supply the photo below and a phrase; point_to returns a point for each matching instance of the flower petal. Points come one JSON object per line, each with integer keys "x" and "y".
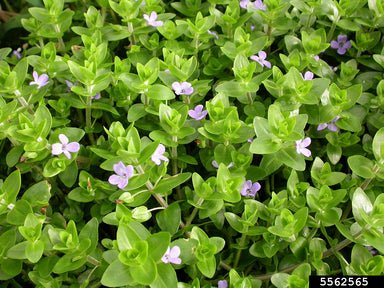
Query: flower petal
{"x": 129, "y": 171}
{"x": 267, "y": 64}
{"x": 57, "y": 148}
{"x": 306, "y": 152}
{"x": 119, "y": 168}
{"x": 123, "y": 182}
{"x": 306, "y": 142}
{"x": 63, "y": 139}
{"x": 175, "y": 252}
{"x": 67, "y": 154}
{"x": 262, "y": 55}
{"x": 334, "y": 44}
{"x": 114, "y": 179}
{"x": 322, "y": 126}
{"x": 73, "y": 147}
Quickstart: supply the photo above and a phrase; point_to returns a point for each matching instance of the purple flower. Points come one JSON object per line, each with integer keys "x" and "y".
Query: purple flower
{"x": 182, "y": 88}
{"x": 342, "y": 44}
{"x": 260, "y": 58}
{"x": 214, "y": 33}
{"x": 244, "y": 4}
{"x": 216, "y": 165}
{"x": 316, "y": 57}
{"x": 300, "y": 146}
{"x": 198, "y": 113}
{"x": 96, "y": 97}
{"x": 331, "y": 125}
{"x": 308, "y": 75}
{"x": 250, "y": 189}
{"x": 123, "y": 173}
{"x": 158, "y": 156}
{"x": 151, "y": 20}
{"x": 17, "y": 53}
{"x": 65, "y": 147}
{"x": 172, "y": 255}
{"x": 222, "y": 284}
{"x": 41, "y": 80}
{"x": 259, "y": 5}
{"x": 69, "y": 85}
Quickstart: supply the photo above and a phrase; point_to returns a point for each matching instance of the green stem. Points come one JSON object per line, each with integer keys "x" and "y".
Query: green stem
{"x": 93, "y": 261}
{"x": 174, "y": 165}
{"x": 194, "y": 212}
{"x": 238, "y": 254}
{"x": 249, "y": 97}
{"x": 225, "y": 266}
{"x": 158, "y": 197}
{"x": 130, "y": 30}
{"x": 332, "y": 30}
{"x": 88, "y": 120}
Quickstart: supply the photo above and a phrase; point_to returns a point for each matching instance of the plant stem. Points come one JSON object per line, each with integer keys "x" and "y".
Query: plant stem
{"x": 174, "y": 166}
{"x": 88, "y": 120}
{"x": 194, "y": 212}
{"x": 332, "y": 30}
{"x": 238, "y": 254}
{"x": 93, "y": 261}
{"x": 158, "y": 197}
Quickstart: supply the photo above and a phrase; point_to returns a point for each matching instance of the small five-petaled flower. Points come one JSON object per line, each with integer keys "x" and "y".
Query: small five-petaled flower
{"x": 244, "y": 4}
{"x": 158, "y": 155}
{"x": 250, "y": 189}
{"x": 260, "y": 58}
{"x": 172, "y": 255}
{"x": 301, "y": 146}
{"x": 198, "y": 113}
{"x": 259, "y": 5}
{"x": 182, "y": 88}
{"x": 65, "y": 147}
{"x": 330, "y": 126}
{"x": 342, "y": 44}
{"x": 123, "y": 173}
{"x": 308, "y": 75}
{"x": 40, "y": 81}
{"x": 222, "y": 284}
{"x": 151, "y": 20}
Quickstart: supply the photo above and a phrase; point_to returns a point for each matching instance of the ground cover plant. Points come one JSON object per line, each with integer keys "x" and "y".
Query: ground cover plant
{"x": 190, "y": 144}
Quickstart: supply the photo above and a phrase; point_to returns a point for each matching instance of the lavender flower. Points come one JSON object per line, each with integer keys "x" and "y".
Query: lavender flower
{"x": 300, "y": 146}
{"x": 222, "y": 284}
{"x": 316, "y": 57}
{"x": 41, "y": 80}
{"x": 260, "y": 58}
{"x": 198, "y": 113}
{"x": 259, "y": 5}
{"x": 216, "y": 165}
{"x": 96, "y": 97}
{"x": 17, "y": 53}
{"x": 65, "y": 147}
{"x": 250, "y": 189}
{"x": 308, "y": 75}
{"x": 69, "y": 85}
{"x": 123, "y": 173}
{"x": 158, "y": 156}
{"x": 244, "y": 4}
{"x": 151, "y": 20}
{"x": 214, "y": 33}
{"x": 172, "y": 255}
{"x": 342, "y": 44}
{"x": 182, "y": 88}
{"x": 331, "y": 125}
